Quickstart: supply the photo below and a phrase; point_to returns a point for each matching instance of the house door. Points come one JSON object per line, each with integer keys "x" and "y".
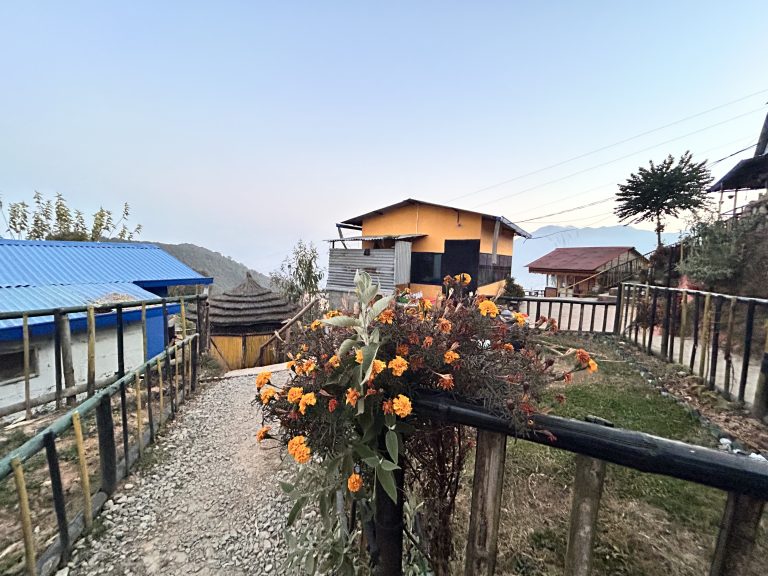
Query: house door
{"x": 462, "y": 256}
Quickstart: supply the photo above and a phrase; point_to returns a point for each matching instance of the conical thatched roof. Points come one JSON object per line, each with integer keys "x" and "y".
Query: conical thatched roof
{"x": 249, "y": 304}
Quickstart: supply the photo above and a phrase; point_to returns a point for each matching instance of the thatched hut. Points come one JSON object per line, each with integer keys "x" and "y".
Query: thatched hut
{"x": 242, "y": 320}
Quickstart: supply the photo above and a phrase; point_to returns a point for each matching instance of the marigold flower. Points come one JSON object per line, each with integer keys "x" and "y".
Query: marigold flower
{"x": 371, "y": 392}
{"x": 377, "y": 367}
{"x": 446, "y": 381}
{"x": 388, "y": 407}
{"x": 332, "y": 404}
{"x": 447, "y": 280}
{"x": 425, "y": 304}
{"x": 267, "y": 394}
{"x": 315, "y": 325}
{"x": 398, "y": 365}
{"x": 386, "y": 316}
{"x": 262, "y": 379}
{"x": 308, "y": 366}
{"x": 488, "y": 308}
{"x": 582, "y": 356}
{"x": 450, "y": 357}
{"x": 591, "y": 366}
{"x": 463, "y": 279}
{"x": 262, "y": 433}
{"x": 295, "y": 394}
{"x": 352, "y": 396}
{"x": 308, "y": 399}
{"x": 402, "y": 405}
{"x": 332, "y": 314}
{"x": 509, "y": 347}
{"x": 521, "y": 319}
{"x": 291, "y": 364}
{"x": 359, "y": 356}
{"x": 355, "y": 482}
{"x": 298, "y": 448}
{"x": 402, "y": 349}
{"x": 334, "y": 361}
{"x": 413, "y": 338}
{"x": 444, "y": 325}
{"x": 428, "y": 340}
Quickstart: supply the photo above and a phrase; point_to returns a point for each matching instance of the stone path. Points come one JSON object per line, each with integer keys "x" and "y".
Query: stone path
{"x": 210, "y": 505}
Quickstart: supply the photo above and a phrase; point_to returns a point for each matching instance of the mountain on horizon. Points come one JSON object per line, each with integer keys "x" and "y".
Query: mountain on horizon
{"x": 548, "y": 238}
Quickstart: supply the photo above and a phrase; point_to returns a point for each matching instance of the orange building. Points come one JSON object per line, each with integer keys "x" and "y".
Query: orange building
{"x": 416, "y": 244}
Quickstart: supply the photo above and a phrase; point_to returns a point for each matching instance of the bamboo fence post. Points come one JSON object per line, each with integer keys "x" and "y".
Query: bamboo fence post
{"x": 760, "y": 402}
{"x": 736, "y": 539}
{"x": 635, "y": 296}
{"x": 727, "y": 348}
{"x": 27, "y": 369}
{"x": 144, "y": 330}
{"x": 160, "y": 386}
{"x": 647, "y": 302}
{"x": 139, "y": 423}
{"x": 704, "y": 337}
{"x": 91, "y": 351}
{"x": 57, "y": 356}
{"x": 183, "y": 319}
{"x": 176, "y": 374}
{"x": 107, "y": 449}
{"x": 85, "y": 480}
{"x": 683, "y": 325}
{"x": 482, "y": 539}
{"x": 587, "y": 491}
{"x": 66, "y": 356}
{"x": 30, "y": 561}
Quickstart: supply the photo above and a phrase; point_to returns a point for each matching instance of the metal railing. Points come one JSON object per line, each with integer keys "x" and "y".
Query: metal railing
{"x": 571, "y": 314}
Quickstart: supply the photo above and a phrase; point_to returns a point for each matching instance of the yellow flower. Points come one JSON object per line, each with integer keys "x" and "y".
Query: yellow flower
{"x": 352, "y": 396}
{"x": 334, "y": 361}
{"x": 355, "y": 483}
{"x": 263, "y": 379}
{"x": 488, "y": 308}
{"x": 295, "y": 394}
{"x": 308, "y": 399}
{"x": 359, "y": 356}
{"x": 267, "y": 394}
{"x": 425, "y": 304}
{"x": 591, "y": 366}
{"x": 582, "y": 356}
{"x": 308, "y": 366}
{"x": 509, "y": 347}
{"x": 402, "y": 405}
{"x": 450, "y": 357}
{"x": 377, "y": 368}
{"x": 398, "y": 365}
{"x": 298, "y": 448}
{"x": 463, "y": 278}
{"x": 315, "y": 325}
{"x": 262, "y": 433}
{"x": 520, "y": 320}
{"x": 387, "y": 316}
{"x": 332, "y": 314}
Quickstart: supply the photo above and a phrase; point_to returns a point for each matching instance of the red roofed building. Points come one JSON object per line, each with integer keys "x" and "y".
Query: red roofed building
{"x": 587, "y": 270}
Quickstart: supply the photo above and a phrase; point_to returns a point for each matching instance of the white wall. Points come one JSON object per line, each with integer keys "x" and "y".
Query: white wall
{"x": 106, "y": 360}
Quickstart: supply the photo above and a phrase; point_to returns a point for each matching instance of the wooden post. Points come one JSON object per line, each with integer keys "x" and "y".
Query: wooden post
{"x": 160, "y": 386}
{"x": 587, "y": 491}
{"x": 30, "y": 561}
{"x": 85, "y": 480}
{"x": 66, "y": 356}
{"x": 683, "y": 324}
{"x": 760, "y": 402}
{"x": 124, "y": 422}
{"x": 748, "y": 330}
{"x": 647, "y": 302}
{"x": 57, "y": 490}
{"x": 120, "y": 343}
{"x": 183, "y": 319}
{"x": 107, "y": 450}
{"x": 736, "y": 540}
{"x": 389, "y": 529}
{"x": 139, "y": 422}
{"x": 27, "y": 369}
{"x": 195, "y": 361}
{"x": 144, "y": 329}
{"x": 727, "y": 348}
{"x": 91, "y": 351}
{"x": 715, "y": 342}
{"x": 617, "y": 317}
{"x": 704, "y": 337}
{"x": 150, "y": 420}
{"x": 57, "y": 356}
{"x": 482, "y": 540}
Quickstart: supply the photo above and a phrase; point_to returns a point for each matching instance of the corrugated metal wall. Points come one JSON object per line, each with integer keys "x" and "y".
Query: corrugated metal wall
{"x": 402, "y": 262}
{"x": 380, "y": 264}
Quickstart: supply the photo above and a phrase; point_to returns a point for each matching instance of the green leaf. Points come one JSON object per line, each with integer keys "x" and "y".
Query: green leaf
{"x": 387, "y": 481}
{"x": 364, "y": 451}
{"x": 298, "y": 505}
{"x": 388, "y": 466}
{"x": 380, "y": 305}
{"x": 287, "y": 487}
{"x": 390, "y": 420}
{"x": 392, "y": 443}
{"x": 342, "y": 321}
{"x": 346, "y": 346}
{"x": 369, "y": 293}
{"x": 369, "y": 354}
{"x": 373, "y": 461}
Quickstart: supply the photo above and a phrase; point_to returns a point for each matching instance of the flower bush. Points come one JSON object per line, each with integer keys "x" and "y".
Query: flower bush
{"x": 348, "y": 415}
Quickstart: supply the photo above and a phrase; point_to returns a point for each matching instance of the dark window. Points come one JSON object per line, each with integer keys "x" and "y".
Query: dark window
{"x": 425, "y": 268}
{"x": 489, "y": 273}
{"x": 12, "y": 365}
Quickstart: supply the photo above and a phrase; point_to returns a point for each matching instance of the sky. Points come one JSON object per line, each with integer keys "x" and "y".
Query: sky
{"x": 246, "y": 126}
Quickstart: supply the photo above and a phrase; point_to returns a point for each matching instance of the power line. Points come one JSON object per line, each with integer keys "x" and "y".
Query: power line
{"x": 618, "y": 159}
{"x": 608, "y": 146}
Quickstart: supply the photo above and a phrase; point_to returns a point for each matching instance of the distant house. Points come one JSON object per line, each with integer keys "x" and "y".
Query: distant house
{"x": 37, "y": 275}
{"x": 415, "y": 244}
{"x": 587, "y": 270}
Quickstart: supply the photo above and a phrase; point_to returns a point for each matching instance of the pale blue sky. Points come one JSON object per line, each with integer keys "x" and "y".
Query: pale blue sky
{"x": 246, "y": 126}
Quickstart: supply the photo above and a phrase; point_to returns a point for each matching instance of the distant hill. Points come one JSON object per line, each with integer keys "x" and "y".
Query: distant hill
{"x": 552, "y": 237}
{"x": 226, "y": 273}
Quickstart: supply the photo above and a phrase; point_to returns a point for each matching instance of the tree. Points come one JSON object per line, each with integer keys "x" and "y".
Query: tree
{"x": 664, "y": 190}
{"x": 300, "y": 274}
{"x": 54, "y": 220}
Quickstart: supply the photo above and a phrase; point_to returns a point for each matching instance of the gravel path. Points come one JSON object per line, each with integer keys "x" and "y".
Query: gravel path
{"x": 210, "y": 505}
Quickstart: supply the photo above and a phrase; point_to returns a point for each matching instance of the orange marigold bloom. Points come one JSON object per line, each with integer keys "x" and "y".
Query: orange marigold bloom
{"x": 521, "y": 319}
{"x": 444, "y": 325}
{"x": 402, "y": 349}
{"x": 352, "y": 396}
{"x": 309, "y": 366}
{"x": 332, "y": 404}
{"x": 295, "y": 394}
{"x": 355, "y": 482}
{"x": 262, "y": 433}
{"x": 388, "y": 407}
{"x": 509, "y": 347}
{"x": 359, "y": 356}
{"x": 298, "y": 448}
{"x": 591, "y": 366}
{"x": 315, "y": 325}
{"x": 387, "y": 316}
{"x": 402, "y": 405}
{"x": 398, "y": 365}
{"x": 582, "y": 356}
{"x": 267, "y": 394}
{"x": 308, "y": 399}
{"x": 425, "y": 304}
{"x": 428, "y": 340}
{"x": 377, "y": 367}
{"x": 332, "y": 314}
{"x": 262, "y": 379}
{"x": 413, "y": 338}
{"x": 334, "y": 361}
{"x": 446, "y": 381}
{"x": 463, "y": 278}
{"x": 488, "y": 308}
{"x": 450, "y": 357}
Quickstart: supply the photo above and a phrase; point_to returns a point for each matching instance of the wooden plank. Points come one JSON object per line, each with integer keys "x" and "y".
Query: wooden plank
{"x": 683, "y": 325}
{"x": 85, "y": 480}
{"x": 139, "y": 418}
{"x": 747, "y": 355}
{"x": 57, "y": 356}
{"x": 91, "y": 328}
{"x": 715, "y": 342}
{"x": 183, "y": 318}
{"x": 161, "y": 386}
{"x": 587, "y": 491}
{"x": 736, "y": 539}
{"x": 482, "y": 539}
{"x": 27, "y": 370}
{"x": 760, "y": 402}
{"x": 67, "y": 363}
{"x": 57, "y": 490}
{"x": 30, "y": 562}
{"x": 704, "y": 336}
{"x": 727, "y": 349}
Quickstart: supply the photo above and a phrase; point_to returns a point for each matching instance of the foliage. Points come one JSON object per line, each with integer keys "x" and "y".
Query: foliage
{"x": 300, "y": 274}
{"x": 663, "y": 190}
{"x": 55, "y": 220}
{"x": 512, "y": 289}
{"x": 346, "y": 420}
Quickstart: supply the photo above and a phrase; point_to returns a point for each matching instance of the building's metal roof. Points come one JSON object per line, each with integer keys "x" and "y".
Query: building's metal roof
{"x": 54, "y": 263}
{"x": 358, "y": 220}
{"x": 371, "y": 238}
{"x": 751, "y": 174}
{"x": 581, "y": 259}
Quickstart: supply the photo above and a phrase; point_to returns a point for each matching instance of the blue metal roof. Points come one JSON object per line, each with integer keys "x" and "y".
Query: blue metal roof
{"x": 56, "y": 263}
